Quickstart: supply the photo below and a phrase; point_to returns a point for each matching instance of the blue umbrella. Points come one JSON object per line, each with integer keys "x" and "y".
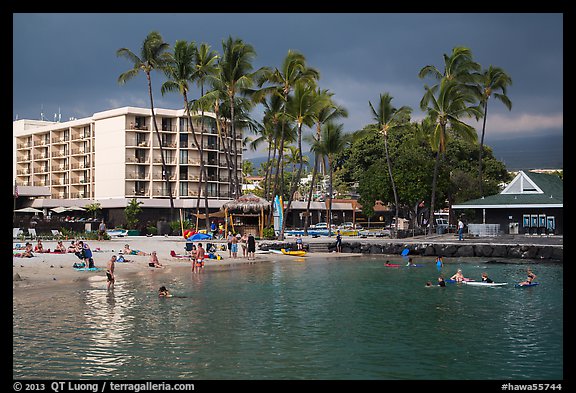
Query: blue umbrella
{"x": 199, "y": 236}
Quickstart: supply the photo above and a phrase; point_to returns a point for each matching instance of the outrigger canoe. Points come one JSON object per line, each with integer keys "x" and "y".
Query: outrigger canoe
{"x": 295, "y": 253}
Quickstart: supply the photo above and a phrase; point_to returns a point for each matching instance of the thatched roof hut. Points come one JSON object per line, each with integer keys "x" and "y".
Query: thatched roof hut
{"x": 248, "y": 203}
{"x": 247, "y": 207}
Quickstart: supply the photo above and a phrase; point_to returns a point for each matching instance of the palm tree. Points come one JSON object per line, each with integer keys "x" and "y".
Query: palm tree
{"x": 205, "y": 66}
{"x": 489, "y": 82}
{"x": 292, "y": 70}
{"x": 180, "y": 71}
{"x": 445, "y": 104}
{"x": 152, "y": 56}
{"x": 329, "y": 112}
{"x": 456, "y": 89}
{"x": 388, "y": 118}
{"x": 303, "y": 108}
{"x": 331, "y": 143}
{"x": 458, "y": 66}
{"x": 235, "y": 76}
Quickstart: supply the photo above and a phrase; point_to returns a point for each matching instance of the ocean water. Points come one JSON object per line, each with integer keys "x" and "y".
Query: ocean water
{"x": 303, "y": 318}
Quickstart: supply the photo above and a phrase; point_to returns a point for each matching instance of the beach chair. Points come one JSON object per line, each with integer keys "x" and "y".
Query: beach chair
{"x": 56, "y": 233}
{"x": 32, "y": 233}
{"x": 16, "y": 232}
{"x": 174, "y": 255}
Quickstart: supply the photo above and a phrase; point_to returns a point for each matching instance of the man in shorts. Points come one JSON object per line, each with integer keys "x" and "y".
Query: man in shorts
{"x": 110, "y": 271}
{"x": 200, "y": 256}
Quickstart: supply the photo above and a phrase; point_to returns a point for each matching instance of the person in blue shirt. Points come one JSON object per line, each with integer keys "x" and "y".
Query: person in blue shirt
{"x": 338, "y": 241}
{"x": 439, "y": 262}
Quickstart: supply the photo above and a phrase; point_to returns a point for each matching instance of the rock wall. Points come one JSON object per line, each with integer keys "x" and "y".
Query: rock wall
{"x": 544, "y": 252}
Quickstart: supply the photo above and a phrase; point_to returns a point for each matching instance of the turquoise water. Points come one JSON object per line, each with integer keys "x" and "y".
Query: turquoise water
{"x": 331, "y": 319}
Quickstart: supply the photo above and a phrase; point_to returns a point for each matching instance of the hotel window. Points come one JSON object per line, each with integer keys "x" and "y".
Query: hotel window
{"x": 183, "y": 140}
{"x": 184, "y": 188}
{"x": 183, "y": 156}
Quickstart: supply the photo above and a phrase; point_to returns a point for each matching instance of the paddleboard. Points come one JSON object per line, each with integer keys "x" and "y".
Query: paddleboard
{"x": 392, "y": 265}
{"x": 485, "y": 284}
{"x": 453, "y": 281}
{"x": 526, "y": 285}
{"x": 415, "y": 265}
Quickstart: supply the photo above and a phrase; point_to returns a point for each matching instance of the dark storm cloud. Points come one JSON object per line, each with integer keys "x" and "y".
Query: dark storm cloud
{"x": 68, "y": 61}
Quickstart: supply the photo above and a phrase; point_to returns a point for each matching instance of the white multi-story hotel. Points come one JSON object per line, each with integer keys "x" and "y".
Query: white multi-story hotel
{"x": 114, "y": 156}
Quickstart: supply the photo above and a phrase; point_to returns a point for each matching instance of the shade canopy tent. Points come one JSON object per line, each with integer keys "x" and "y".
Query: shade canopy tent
{"x": 62, "y": 209}
{"x": 248, "y": 205}
{"x": 28, "y": 210}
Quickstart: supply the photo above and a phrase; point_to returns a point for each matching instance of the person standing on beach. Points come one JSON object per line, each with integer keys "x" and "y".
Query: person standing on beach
{"x": 101, "y": 230}
{"x": 234, "y": 247}
{"x": 460, "y": 230}
{"x": 110, "y": 272}
{"x": 251, "y": 247}
{"x": 230, "y": 237}
{"x": 200, "y": 252}
{"x": 338, "y": 241}
{"x": 213, "y": 229}
{"x": 243, "y": 244}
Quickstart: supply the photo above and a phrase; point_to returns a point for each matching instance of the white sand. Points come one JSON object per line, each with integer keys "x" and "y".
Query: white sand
{"x": 46, "y": 269}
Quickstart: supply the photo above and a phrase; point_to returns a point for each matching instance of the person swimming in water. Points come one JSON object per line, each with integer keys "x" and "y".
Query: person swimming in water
{"x": 164, "y": 292}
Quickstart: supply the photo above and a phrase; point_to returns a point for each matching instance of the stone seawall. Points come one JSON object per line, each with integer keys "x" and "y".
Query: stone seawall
{"x": 467, "y": 249}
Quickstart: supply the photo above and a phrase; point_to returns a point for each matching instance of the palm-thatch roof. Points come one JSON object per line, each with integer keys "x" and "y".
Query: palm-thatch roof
{"x": 248, "y": 203}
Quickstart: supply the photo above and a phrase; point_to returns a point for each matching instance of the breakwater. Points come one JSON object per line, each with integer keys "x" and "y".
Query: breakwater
{"x": 427, "y": 248}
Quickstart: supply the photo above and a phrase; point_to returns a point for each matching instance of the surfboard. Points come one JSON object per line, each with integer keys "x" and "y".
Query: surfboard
{"x": 392, "y": 265}
{"x": 485, "y": 284}
{"x": 526, "y": 285}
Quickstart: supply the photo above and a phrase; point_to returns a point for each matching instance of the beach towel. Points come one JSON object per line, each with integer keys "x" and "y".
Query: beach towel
{"x": 87, "y": 269}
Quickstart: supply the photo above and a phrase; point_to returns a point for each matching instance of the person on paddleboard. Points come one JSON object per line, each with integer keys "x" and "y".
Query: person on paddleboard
{"x": 458, "y": 276}
{"x": 486, "y": 279}
{"x": 530, "y": 277}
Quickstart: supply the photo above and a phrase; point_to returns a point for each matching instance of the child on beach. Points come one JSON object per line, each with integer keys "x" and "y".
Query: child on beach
{"x": 110, "y": 272}
{"x": 154, "y": 260}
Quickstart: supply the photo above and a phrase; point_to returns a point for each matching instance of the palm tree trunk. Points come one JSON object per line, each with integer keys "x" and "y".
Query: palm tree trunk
{"x": 393, "y": 185}
{"x": 198, "y": 146}
{"x": 312, "y": 182}
{"x": 164, "y": 171}
{"x": 295, "y": 181}
{"x": 482, "y": 148}
{"x": 433, "y": 197}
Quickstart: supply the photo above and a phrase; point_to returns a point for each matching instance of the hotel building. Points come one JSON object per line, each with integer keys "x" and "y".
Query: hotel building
{"x": 114, "y": 156}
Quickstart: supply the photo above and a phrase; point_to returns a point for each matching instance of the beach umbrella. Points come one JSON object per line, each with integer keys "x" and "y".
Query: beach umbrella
{"x": 199, "y": 236}
{"x": 28, "y": 210}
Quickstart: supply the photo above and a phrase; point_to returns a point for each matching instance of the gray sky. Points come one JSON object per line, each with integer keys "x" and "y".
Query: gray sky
{"x": 67, "y": 62}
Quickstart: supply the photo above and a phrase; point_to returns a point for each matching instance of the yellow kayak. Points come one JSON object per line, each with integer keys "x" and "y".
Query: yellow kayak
{"x": 295, "y": 253}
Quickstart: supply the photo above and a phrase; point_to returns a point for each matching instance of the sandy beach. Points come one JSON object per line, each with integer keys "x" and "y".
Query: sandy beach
{"x": 48, "y": 269}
